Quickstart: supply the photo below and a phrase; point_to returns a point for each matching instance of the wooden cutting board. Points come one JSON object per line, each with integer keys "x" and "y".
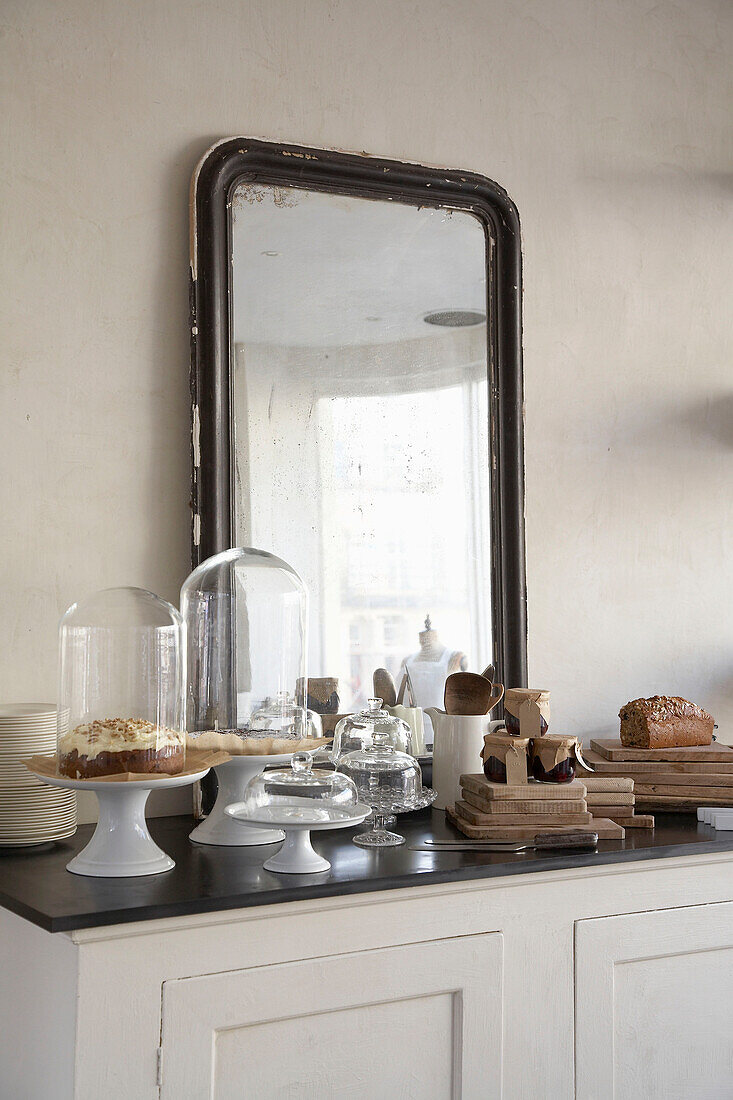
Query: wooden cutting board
{"x": 689, "y": 791}
{"x": 513, "y": 806}
{"x": 609, "y": 798}
{"x": 481, "y": 786}
{"x": 679, "y": 804}
{"x": 635, "y": 821}
{"x": 660, "y": 774}
{"x": 617, "y": 783}
{"x": 639, "y": 767}
{"x": 611, "y": 811}
{"x": 476, "y": 817}
{"x": 612, "y": 749}
{"x": 606, "y": 829}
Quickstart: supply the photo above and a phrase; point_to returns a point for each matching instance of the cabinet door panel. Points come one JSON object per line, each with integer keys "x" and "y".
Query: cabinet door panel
{"x": 654, "y": 1001}
{"x": 423, "y": 1021}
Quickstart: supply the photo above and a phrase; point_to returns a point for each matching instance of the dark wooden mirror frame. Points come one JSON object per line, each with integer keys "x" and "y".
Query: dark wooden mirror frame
{"x": 238, "y": 160}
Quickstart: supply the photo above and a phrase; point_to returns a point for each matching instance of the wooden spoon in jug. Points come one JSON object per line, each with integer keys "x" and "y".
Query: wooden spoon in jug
{"x": 468, "y": 693}
{"x": 384, "y": 687}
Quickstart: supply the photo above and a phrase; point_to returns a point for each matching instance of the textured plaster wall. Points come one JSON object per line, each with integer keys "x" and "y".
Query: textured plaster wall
{"x": 608, "y": 123}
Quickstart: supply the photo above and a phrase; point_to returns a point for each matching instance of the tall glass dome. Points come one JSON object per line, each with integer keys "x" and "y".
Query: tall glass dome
{"x": 121, "y": 685}
{"x": 246, "y": 613}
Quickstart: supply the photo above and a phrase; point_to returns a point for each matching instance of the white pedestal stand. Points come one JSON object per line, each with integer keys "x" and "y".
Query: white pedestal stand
{"x": 233, "y": 777}
{"x": 297, "y": 855}
{"x": 121, "y": 846}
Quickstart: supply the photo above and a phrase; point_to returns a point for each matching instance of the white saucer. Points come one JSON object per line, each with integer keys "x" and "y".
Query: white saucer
{"x": 297, "y": 857}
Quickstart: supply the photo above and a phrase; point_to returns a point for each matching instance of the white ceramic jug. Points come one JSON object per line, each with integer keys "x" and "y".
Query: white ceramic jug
{"x": 413, "y": 717}
{"x": 457, "y": 747}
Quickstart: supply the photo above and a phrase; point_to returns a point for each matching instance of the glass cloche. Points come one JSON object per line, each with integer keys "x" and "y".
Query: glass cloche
{"x": 246, "y": 613}
{"x": 121, "y": 685}
{"x": 357, "y": 731}
{"x": 300, "y": 793}
{"x": 390, "y": 782}
{"x": 298, "y": 799}
{"x": 283, "y": 714}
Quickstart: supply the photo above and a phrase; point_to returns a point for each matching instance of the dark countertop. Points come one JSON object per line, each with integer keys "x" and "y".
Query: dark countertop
{"x": 36, "y": 885}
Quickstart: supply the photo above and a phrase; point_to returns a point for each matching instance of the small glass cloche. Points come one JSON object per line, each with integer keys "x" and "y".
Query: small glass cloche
{"x": 357, "y": 731}
{"x": 300, "y": 793}
{"x": 298, "y": 799}
{"x": 282, "y": 716}
{"x": 121, "y": 686}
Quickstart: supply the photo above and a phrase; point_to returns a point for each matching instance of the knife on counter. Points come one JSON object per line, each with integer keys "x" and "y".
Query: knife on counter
{"x": 542, "y": 842}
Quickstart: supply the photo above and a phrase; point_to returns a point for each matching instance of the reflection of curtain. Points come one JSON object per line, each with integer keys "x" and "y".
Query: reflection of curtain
{"x": 307, "y": 431}
{"x": 243, "y": 458}
{"x": 478, "y": 491}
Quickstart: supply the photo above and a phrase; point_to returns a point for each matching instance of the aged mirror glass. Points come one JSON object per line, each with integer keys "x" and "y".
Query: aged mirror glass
{"x": 360, "y": 420}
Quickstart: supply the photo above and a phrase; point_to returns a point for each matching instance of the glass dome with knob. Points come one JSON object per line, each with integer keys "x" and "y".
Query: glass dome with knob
{"x": 298, "y": 799}
{"x": 357, "y": 731}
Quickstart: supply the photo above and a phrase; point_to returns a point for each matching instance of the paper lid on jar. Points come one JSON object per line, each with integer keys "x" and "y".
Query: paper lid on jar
{"x": 529, "y": 706}
{"x": 552, "y": 749}
{"x": 502, "y": 745}
{"x": 509, "y": 751}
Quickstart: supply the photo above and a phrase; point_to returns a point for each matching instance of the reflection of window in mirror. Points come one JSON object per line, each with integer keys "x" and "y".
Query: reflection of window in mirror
{"x": 361, "y": 420}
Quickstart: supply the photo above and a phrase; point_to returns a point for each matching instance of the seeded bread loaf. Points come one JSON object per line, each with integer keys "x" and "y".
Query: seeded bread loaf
{"x": 664, "y": 722}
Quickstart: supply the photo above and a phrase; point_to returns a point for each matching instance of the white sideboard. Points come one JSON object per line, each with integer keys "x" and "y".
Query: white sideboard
{"x": 610, "y": 982}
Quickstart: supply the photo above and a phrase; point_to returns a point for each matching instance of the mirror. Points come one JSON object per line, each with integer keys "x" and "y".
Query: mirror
{"x": 357, "y": 402}
{"x": 360, "y": 441}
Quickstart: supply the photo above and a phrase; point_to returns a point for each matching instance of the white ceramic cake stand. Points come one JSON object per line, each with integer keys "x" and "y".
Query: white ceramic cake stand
{"x": 121, "y": 846}
{"x": 233, "y": 777}
{"x": 297, "y": 857}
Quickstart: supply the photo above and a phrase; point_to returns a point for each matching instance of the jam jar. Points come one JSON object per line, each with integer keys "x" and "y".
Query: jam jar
{"x": 553, "y": 759}
{"x": 526, "y": 712}
{"x": 505, "y": 758}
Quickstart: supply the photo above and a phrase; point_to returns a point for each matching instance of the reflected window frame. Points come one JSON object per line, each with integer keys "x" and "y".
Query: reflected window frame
{"x": 234, "y": 161}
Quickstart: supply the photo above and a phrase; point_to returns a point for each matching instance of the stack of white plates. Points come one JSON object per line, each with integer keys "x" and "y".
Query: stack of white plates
{"x": 30, "y": 811}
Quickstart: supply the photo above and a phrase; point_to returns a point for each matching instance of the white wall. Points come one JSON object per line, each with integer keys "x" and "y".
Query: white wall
{"x": 608, "y": 124}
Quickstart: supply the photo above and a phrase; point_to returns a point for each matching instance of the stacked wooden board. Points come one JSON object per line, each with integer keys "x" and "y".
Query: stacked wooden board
{"x": 499, "y": 811}
{"x": 614, "y": 797}
{"x": 676, "y": 779}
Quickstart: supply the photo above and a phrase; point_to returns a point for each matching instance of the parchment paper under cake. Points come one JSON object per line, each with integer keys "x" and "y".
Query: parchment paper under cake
{"x": 246, "y": 743}
{"x": 196, "y": 761}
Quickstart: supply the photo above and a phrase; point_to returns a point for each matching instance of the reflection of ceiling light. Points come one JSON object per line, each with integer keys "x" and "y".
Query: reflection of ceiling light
{"x": 455, "y": 318}
{"x": 269, "y": 253}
